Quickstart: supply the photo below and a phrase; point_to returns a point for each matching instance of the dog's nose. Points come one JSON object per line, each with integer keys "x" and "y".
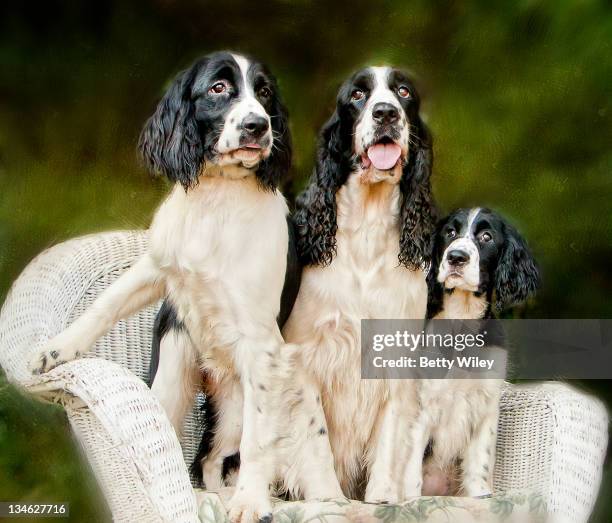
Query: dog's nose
{"x": 457, "y": 257}
{"x": 255, "y": 125}
{"x": 385, "y": 113}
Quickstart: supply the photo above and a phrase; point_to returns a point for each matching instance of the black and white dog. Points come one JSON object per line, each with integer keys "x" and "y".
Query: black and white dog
{"x": 217, "y": 252}
{"x": 364, "y": 229}
{"x": 480, "y": 265}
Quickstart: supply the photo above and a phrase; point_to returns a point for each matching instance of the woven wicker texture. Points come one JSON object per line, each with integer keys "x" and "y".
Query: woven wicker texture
{"x": 120, "y": 421}
{"x": 132, "y": 447}
{"x": 552, "y": 439}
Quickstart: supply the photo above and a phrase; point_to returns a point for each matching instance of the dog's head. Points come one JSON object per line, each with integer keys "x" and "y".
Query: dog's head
{"x": 380, "y": 104}
{"x": 377, "y": 133}
{"x": 476, "y": 250}
{"x": 224, "y": 110}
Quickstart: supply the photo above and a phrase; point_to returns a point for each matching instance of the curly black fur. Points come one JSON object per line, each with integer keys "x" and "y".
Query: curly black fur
{"x": 435, "y": 290}
{"x": 170, "y": 141}
{"x": 315, "y": 214}
{"x": 418, "y": 211}
{"x": 517, "y": 276}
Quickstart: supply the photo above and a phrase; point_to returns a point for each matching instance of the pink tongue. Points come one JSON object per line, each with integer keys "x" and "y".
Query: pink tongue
{"x": 384, "y": 155}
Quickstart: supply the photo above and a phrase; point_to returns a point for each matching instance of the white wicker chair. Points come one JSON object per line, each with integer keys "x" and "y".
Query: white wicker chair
{"x": 552, "y": 438}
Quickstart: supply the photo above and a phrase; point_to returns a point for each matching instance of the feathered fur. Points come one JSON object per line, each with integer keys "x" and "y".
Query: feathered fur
{"x": 480, "y": 264}
{"x": 217, "y": 252}
{"x": 364, "y": 230}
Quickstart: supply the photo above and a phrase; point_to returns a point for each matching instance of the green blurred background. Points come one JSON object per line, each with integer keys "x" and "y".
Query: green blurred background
{"x": 517, "y": 94}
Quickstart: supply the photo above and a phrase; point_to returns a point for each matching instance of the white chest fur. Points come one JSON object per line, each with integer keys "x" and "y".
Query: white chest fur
{"x": 463, "y": 305}
{"x": 459, "y": 416}
{"x": 365, "y": 279}
{"x": 223, "y": 247}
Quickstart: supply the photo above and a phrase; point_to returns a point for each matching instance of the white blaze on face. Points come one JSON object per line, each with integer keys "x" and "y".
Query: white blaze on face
{"x": 466, "y": 277}
{"x": 382, "y": 156}
{"x": 244, "y": 105}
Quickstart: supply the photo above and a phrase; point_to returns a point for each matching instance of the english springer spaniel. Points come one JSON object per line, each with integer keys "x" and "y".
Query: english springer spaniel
{"x": 364, "y": 229}
{"x": 217, "y": 252}
{"x": 480, "y": 264}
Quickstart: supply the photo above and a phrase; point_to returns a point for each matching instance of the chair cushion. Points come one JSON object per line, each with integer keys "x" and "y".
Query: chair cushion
{"x": 515, "y": 507}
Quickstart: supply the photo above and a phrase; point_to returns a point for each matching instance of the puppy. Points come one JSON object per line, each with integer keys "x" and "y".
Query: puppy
{"x": 217, "y": 253}
{"x": 480, "y": 264}
{"x": 364, "y": 227}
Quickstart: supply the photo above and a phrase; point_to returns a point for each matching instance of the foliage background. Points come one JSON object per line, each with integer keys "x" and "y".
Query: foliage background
{"x": 517, "y": 96}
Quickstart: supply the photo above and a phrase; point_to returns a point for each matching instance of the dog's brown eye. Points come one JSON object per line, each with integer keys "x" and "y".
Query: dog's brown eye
{"x": 451, "y": 233}
{"x": 264, "y": 92}
{"x": 403, "y": 92}
{"x": 357, "y": 94}
{"x": 485, "y": 237}
{"x": 218, "y": 88}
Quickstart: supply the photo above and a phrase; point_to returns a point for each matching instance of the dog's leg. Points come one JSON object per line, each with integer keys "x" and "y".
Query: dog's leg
{"x": 178, "y": 376}
{"x": 139, "y": 286}
{"x": 479, "y": 457}
{"x": 257, "y": 360}
{"x": 418, "y": 435}
{"x": 390, "y": 447}
{"x": 382, "y": 487}
{"x": 308, "y": 463}
{"x": 227, "y": 431}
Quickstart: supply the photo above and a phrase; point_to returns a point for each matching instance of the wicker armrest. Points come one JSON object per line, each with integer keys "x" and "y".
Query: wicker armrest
{"x": 58, "y": 286}
{"x": 127, "y": 437}
{"x": 553, "y": 440}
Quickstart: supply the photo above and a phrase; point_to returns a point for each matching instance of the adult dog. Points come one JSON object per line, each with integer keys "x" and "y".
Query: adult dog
{"x": 480, "y": 264}
{"x": 217, "y": 252}
{"x": 364, "y": 228}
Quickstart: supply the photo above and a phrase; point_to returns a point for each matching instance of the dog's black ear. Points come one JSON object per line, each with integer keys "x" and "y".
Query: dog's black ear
{"x": 170, "y": 143}
{"x": 435, "y": 290}
{"x": 418, "y": 213}
{"x": 517, "y": 276}
{"x": 273, "y": 169}
{"x": 315, "y": 215}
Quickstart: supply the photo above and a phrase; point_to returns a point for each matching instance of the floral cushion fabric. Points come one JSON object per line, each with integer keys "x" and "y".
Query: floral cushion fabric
{"x": 500, "y": 508}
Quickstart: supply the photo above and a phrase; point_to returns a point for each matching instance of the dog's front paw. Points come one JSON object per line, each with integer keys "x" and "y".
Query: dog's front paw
{"x": 246, "y": 507}
{"x": 382, "y": 495}
{"x": 412, "y": 489}
{"x": 52, "y": 355}
{"x": 482, "y": 491}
